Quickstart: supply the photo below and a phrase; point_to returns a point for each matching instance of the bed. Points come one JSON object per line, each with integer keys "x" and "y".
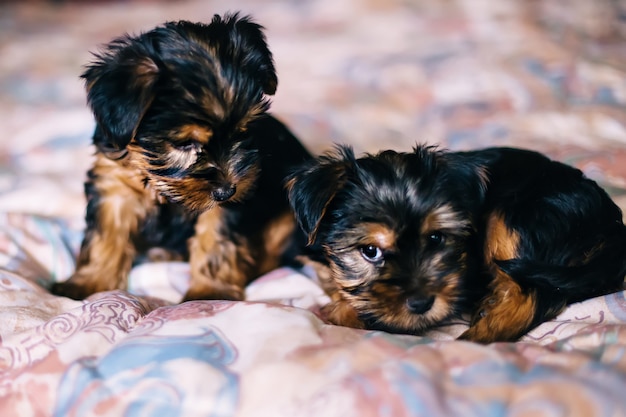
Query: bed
{"x": 541, "y": 74}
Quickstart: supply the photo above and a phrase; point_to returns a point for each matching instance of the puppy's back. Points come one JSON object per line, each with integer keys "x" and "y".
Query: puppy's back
{"x": 551, "y": 237}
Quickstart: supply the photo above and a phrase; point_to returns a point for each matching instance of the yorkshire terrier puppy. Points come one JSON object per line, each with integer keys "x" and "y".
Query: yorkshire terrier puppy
{"x": 402, "y": 241}
{"x": 550, "y": 237}
{"x": 188, "y": 163}
{"x": 391, "y": 236}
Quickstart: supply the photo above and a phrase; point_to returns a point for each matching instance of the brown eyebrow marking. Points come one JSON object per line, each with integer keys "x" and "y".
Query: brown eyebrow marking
{"x": 194, "y": 132}
{"x": 381, "y": 235}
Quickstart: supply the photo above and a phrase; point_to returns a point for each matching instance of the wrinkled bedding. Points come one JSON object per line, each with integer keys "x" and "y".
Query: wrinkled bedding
{"x": 464, "y": 74}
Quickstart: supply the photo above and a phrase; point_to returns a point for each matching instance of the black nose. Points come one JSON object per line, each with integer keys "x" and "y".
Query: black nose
{"x": 420, "y": 305}
{"x": 223, "y": 193}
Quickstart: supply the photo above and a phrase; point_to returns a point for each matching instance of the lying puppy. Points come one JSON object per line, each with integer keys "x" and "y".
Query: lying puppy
{"x": 391, "y": 236}
{"x": 403, "y": 241}
{"x": 188, "y": 163}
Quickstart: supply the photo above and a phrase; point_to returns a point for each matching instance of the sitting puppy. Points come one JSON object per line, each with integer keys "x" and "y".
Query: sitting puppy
{"x": 402, "y": 241}
{"x": 391, "y": 236}
{"x": 188, "y": 163}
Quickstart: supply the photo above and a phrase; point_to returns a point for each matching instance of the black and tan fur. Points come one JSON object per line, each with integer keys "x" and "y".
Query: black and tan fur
{"x": 392, "y": 236}
{"x": 551, "y": 237}
{"x": 404, "y": 241}
{"x": 188, "y": 163}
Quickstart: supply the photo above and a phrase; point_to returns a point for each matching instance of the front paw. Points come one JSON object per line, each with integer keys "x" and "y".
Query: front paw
{"x": 71, "y": 290}
{"x": 483, "y": 310}
{"x": 479, "y": 330}
{"x": 500, "y": 319}
{"x": 341, "y": 313}
{"x": 214, "y": 290}
{"x": 84, "y": 283}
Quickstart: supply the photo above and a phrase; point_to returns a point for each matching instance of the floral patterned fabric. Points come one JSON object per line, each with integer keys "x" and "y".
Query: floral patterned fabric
{"x": 541, "y": 74}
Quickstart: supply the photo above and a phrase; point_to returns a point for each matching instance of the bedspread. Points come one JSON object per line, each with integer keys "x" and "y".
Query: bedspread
{"x": 543, "y": 74}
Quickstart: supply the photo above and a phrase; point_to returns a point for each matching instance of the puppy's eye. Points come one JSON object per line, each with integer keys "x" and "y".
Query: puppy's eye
{"x": 372, "y": 253}
{"x": 436, "y": 239}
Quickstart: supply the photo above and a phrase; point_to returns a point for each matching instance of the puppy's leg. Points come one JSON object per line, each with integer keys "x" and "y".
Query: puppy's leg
{"x": 339, "y": 311}
{"x": 507, "y": 311}
{"x": 505, "y": 314}
{"x": 220, "y": 267}
{"x": 278, "y": 245}
{"x": 510, "y": 310}
{"x": 114, "y": 211}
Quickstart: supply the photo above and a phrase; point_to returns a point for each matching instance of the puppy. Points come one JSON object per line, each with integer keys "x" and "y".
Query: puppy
{"x": 403, "y": 241}
{"x": 188, "y": 163}
{"x": 392, "y": 236}
{"x": 550, "y": 237}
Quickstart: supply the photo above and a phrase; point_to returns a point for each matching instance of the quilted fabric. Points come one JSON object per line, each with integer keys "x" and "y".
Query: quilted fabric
{"x": 541, "y": 74}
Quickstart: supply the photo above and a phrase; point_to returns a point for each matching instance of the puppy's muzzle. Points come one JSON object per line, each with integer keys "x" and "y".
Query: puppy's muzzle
{"x": 420, "y": 305}
{"x": 224, "y": 193}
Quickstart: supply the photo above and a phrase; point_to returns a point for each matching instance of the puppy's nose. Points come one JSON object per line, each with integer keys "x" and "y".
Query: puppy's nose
{"x": 223, "y": 193}
{"x": 420, "y": 305}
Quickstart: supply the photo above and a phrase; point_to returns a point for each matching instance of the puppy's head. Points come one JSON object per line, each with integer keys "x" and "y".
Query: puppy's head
{"x": 395, "y": 231}
{"x": 179, "y": 102}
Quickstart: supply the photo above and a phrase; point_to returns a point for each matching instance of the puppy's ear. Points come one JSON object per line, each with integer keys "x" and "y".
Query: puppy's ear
{"x": 250, "y": 39}
{"x": 312, "y": 188}
{"x": 464, "y": 170}
{"x": 472, "y": 178}
{"x": 119, "y": 87}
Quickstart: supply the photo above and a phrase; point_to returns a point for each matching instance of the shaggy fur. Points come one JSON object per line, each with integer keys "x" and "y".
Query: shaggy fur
{"x": 188, "y": 163}
{"x": 404, "y": 241}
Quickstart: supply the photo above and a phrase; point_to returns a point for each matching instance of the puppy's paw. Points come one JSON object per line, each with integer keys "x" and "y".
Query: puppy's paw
{"x": 341, "y": 313}
{"x": 214, "y": 290}
{"x": 501, "y": 317}
{"x": 478, "y": 334}
{"x": 84, "y": 282}
{"x": 485, "y": 325}
{"x": 71, "y": 290}
{"x": 484, "y": 310}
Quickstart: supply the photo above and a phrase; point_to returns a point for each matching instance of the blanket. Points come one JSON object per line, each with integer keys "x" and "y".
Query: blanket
{"x": 541, "y": 74}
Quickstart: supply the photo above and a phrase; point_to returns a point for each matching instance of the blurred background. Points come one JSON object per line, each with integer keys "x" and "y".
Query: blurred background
{"x": 541, "y": 74}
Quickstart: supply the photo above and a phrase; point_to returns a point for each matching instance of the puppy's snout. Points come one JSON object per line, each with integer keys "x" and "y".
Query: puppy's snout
{"x": 420, "y": 305}
{"x": 224, "y": 193}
